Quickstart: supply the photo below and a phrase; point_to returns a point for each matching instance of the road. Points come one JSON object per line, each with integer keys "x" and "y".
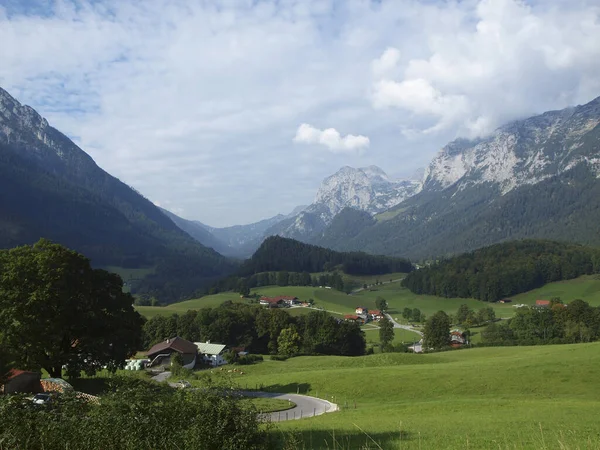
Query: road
{"x": 305, "y": 406}
{"x": 382, "y": 282}
{"x": 404, "y": 327}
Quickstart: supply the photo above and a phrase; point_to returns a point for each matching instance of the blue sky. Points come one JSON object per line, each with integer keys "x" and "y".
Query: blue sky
{"x": 232, "y": 111}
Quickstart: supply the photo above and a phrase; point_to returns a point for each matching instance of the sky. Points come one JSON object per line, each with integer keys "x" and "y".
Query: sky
{"x": 231, "y": 111}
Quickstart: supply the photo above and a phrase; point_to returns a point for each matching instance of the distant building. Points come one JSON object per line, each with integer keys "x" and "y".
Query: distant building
{"x": 211, "y": 353}
{"x": 280, "y": 301}
{"x": 457, "y": 339}
{"x": 542, "y": 303}
{"x": 354, "y": 318}
{"x": 375, "y": 314}
{"x": 160, "y": 354}
{"x": 360, "y": 310}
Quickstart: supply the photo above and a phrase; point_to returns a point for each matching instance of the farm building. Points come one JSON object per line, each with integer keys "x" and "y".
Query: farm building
{"x": 354, "y": 318}
{"x": 211, "y": 353}
{"x": 278, "y": 302}
{"x": 375, "y": 314}
{"x": 360, "y": 310}
{"x": 160, "y": 354}
{"x": 542, "y": 303}
{"x": 457, "y": 339}
{"x": 22, "y": 381}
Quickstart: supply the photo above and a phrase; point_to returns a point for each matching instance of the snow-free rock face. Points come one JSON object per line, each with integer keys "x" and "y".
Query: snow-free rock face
{"x": 520, "y": 153}
{"x": 367, "y": 189}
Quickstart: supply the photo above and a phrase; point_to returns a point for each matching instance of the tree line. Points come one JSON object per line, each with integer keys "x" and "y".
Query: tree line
{"x": 281, "y": 254}
{"x": 556, "y": 324}
{"x": 260, "y": 330}
{"x": 502, "y": 270}
{"x": 243, "y": 285}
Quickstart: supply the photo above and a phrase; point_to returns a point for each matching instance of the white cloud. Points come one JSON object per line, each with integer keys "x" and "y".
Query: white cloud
{"x": 331, "y": 138}
{"x": 499, "y": 61}
{"x": 188, "y": 101}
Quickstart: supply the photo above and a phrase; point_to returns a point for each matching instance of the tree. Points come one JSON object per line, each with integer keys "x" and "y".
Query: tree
{"x": 407, "y": 313}
{"x": 288, "y": 341}
{"x": 381, "y": 304}
{"x": 58, "y": 311}
{"x": 386, "y": 332}
{"x": 5, "y": 364}
{"x": 437, "y": 331}
{"x": 244, "y": 289}
{"x": 416, "y": 315}
{"x": 462, "y": 314}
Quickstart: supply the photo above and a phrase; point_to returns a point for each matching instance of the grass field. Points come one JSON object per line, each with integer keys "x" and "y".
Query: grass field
{"x": 545, "y": 397}
{"x": 398, "y": 298}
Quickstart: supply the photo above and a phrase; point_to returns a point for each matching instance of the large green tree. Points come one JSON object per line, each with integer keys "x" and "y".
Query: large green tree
{"x": 56, "y": 310}
{"x": 386, "y": 332}
{"x": 437, "y": 331}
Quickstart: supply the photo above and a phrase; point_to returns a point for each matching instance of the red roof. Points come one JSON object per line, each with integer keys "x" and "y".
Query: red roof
{"x": 542, "y": 302}
{"x": 351, "y": 317}
{"x": 16, "y": 372}
{"x": 375, "y": 312}
{"x": 178, "y": 344}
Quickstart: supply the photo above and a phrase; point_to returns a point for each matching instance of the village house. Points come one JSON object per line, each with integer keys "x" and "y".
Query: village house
{"x": 375, "y": 314}
{"x": 354, "y": 318}
{"x": 542, "y": 303}
{"x": 457, "y": 339}
{"x": 160, "y": 354}
{"x": 211, "y": 353}
{"x": 282, "y": 300}
{"x": 361, "y": 311}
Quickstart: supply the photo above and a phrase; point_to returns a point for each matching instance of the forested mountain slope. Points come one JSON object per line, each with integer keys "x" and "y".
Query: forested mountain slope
{"x": 283, "y": 254}
{"x": 51, "y": 188}
{"x": 505, "y": 269}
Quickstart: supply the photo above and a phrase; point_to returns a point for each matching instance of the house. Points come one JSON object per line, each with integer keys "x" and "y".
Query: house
{"x": 160, "y": 354}
{"x": 457, "y": 339}
{"x": 542, "y": 303}
{"x": 505, "y": 300}
{"x": 212, "y": 354}
{"x": 361, "y": 311}
{"x": 354, "y": 318}
{"x": 375, "y": 314}
{"x": 276, "y": 302}
{"x": 21, "y": 381}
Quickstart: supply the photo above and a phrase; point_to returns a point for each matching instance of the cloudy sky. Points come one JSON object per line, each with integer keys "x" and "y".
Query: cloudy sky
{"x": 231, "y": 111}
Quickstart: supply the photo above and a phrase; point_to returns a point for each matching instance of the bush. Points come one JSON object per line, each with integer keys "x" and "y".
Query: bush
{"x": 246, "y": 360}
{"x": 136, "y": 414}
{"x": 279, "y": 357}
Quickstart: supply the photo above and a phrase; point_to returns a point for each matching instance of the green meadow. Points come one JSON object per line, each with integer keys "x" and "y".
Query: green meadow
{"x": 586, "y": 288}
{"x": 545, "y": 397}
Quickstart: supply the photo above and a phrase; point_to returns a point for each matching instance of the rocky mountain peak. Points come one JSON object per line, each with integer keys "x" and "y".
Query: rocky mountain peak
{"x": 519, "y": 153}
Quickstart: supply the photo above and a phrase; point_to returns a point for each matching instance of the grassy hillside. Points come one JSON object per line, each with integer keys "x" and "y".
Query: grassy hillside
{"x": 515, "y": 397}
{"x": 586, "y": 288}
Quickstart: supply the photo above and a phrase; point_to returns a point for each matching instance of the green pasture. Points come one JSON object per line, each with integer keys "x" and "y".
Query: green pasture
{"x": 545, "y": 397}
{"x": 586, "y": 288}
{"x": 398, "y": 298}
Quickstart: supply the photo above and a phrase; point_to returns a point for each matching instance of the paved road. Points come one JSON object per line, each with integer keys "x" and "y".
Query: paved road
{"x": 305, "y": 406}
{"x": 405, "y": 327}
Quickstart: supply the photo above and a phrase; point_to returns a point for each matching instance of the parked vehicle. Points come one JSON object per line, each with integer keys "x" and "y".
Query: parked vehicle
{"x": 41, "y": 399}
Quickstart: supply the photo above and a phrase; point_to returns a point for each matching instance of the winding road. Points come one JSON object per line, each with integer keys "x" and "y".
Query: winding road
{"x": 306, "y": 406}
{"x": 404, "y": 327}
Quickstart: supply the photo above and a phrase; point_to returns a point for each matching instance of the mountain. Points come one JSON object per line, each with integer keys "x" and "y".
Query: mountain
{"x": 51, "y": 188}
{"x": 201, "y": 233}
{"x": 366, "y": 189}
{"x": 243, "y": 240}
{"x": 532, "y": 178}
{"x": 282, "y": 254}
